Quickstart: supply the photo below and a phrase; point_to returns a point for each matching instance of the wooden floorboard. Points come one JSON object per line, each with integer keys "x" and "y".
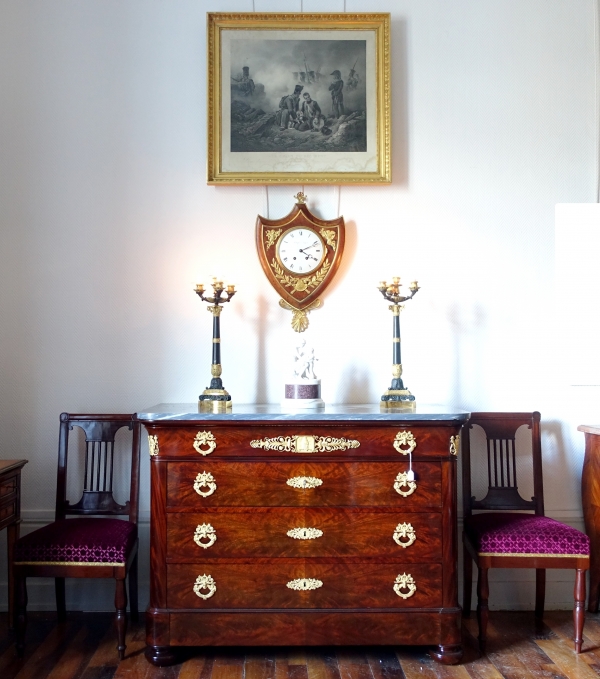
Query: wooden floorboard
{"x": 519, "y": 647}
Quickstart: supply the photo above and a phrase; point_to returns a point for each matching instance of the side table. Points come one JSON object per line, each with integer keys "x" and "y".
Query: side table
{"x": 10, "y": 518}
{"x": 590, "y": 498}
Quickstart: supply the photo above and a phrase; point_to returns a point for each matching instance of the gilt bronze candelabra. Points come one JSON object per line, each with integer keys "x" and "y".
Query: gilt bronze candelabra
{"x": 215, "y": 398}
{"x": 397, "y": 397}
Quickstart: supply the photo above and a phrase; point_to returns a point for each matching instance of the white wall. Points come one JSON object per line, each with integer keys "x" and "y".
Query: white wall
{"x": 106, "y": 222}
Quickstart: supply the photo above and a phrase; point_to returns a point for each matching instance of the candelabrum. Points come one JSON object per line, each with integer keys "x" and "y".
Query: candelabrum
{"x": 215, "y": 398}
{"x": 397, "y": 396}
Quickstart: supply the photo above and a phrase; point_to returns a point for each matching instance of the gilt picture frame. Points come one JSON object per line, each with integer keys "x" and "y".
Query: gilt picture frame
{"x": 298, "y": 98}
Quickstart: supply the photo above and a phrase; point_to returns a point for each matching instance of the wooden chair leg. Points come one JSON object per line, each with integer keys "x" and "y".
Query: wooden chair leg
{"x": 21, "y": 614}
{"x": 540, "y": 591}
{"x": 61, "y": 606}
{"x": 467, "y": 582}
{"x": 483, "y": 592}
{"x": 579, "y": 609}
{"x": 121, "y": 615}
{"x": 133, "y": 590}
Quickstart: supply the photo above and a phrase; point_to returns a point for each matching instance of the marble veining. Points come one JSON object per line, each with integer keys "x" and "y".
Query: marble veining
{"x": 173, "y": 412}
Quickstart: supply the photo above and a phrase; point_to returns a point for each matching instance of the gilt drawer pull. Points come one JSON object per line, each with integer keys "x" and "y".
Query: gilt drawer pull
{"x": 205, "y": 438}
{"x": 304, "y": 584}
{"x": 205, "y": 582}
{"x": 304, "y": 533}
{"x": 404, "y": 535}
{"x": 405, "y": 438}
{"x": 405, "y": 586}
{"x": 305, "y": 444}
{"x": 403, "y": 482}
{"x": 205, "y": 480}
{"x": 206, "y": 532}
{"x": 304, "y": 482}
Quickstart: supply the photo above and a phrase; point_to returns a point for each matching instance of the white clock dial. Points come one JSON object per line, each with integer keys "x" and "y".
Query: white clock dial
{"x": 301, "y": 250}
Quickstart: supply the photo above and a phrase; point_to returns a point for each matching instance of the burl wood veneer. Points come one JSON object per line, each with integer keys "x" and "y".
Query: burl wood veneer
{"x": 271, "y": 529}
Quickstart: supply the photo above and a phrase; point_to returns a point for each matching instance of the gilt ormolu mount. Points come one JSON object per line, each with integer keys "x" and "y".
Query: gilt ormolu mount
{"x": 300, "y": 255}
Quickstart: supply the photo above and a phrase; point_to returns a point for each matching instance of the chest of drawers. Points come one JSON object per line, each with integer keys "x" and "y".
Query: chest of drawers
{"x": 271, "y": 529}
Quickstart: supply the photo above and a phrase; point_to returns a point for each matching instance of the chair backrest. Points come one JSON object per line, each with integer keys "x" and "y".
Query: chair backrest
{"x": 99, "y": 465}
{"x": 503, "y": 493}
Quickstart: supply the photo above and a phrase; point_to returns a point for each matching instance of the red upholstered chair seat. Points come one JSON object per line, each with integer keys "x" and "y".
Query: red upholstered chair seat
{"x": 92, "y": 541}
{"x": 506, "y": 534}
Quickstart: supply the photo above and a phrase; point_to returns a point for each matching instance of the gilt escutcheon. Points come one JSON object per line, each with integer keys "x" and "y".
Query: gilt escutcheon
{"x": 304, "y": 533}
{"x": 304, "y": 482}
{"x": 305, "y": 444}
{"x": 304, "y": 584}
{"x": 454, "y": 444}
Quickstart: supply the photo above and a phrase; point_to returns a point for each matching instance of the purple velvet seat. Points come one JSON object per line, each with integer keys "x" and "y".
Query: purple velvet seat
{"x": 506, "y": 534}
{"x": 89, "y": 541}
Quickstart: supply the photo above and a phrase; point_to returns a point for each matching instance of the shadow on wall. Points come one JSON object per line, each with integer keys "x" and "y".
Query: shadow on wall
{"x": 355, "y": 386}
{"x": 467, "y": 337}
{"x": 259, "y": 324}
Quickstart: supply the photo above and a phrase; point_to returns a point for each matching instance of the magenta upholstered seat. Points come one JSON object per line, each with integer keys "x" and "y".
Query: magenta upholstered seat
{"x": 91, "y": 541}
{"x": 506, "y": 534}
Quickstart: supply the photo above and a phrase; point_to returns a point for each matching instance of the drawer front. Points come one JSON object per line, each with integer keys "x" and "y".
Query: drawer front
{"x": 304, "y": 585}
{"x": 343, "y": 441}
{"x": 304, "y": 532}
{"x": 212, "y": 483}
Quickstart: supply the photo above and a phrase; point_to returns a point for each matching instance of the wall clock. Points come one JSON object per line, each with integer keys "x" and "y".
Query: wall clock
{"x": 300, "y": 255}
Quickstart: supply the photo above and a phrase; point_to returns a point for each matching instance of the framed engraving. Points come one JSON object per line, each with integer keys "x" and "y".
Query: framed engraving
{"x": 298, "y": 98}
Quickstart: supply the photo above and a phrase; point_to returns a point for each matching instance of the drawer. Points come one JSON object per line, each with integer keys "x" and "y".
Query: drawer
{"x": 312, "y": 532}
{"x": 211, "y": 483}
{"x": 317, "y": 440}
{"x": 302, "y": 584}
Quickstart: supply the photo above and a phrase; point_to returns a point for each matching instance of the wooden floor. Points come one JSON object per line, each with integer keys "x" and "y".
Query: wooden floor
{"x": 84, "y": 648}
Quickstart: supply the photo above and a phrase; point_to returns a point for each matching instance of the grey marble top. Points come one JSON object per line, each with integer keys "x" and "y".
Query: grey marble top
{"x": 269, "y": 413}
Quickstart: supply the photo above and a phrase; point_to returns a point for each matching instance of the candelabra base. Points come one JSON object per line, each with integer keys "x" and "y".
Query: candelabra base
{"x": 398, "y": 399}
{"x": 214, "y": 401}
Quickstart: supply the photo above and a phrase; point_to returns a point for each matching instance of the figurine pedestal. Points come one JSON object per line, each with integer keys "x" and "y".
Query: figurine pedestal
{"x": 302, "y": 394}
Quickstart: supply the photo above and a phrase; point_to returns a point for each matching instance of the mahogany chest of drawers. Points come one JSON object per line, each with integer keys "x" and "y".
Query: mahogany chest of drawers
{"x": 305, "y": 529}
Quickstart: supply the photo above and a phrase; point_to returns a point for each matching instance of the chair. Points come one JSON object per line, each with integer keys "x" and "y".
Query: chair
{"x": 90, "y": 546}
{"x": 501, "y": 537}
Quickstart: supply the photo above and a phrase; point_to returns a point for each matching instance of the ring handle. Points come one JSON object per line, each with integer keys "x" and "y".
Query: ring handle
{"x": 205, "y": 438}
{"x": 404, "y": 586}
{"x": 403, "y": 482}
{"x": 205, "y": 582}
{"x": 205, "y": 532}
{"x": 405, "y": 442}
{"x": 404, "y": 535}
{"x": 205, "y": 480}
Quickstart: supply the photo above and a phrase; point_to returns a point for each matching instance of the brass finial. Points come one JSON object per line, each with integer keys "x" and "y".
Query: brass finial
{"x": 301, "y": 198}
